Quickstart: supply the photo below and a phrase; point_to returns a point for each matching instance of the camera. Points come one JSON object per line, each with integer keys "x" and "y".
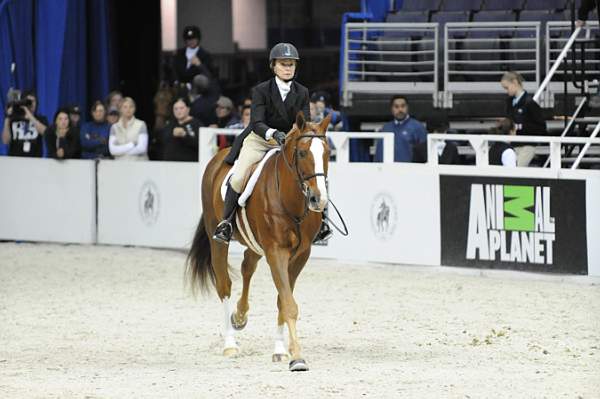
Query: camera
{"x": 17, "y": 103}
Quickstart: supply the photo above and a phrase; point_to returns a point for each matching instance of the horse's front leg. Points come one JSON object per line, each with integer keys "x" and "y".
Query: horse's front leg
{"x": 239, "y": 319}
{"x": 288, "y": 309}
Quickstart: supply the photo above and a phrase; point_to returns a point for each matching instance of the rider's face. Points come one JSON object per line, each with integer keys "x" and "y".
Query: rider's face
{"x": 285, "y": 69}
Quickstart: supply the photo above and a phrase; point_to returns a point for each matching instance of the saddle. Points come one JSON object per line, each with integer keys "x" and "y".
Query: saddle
{"x": 251, "y": 182}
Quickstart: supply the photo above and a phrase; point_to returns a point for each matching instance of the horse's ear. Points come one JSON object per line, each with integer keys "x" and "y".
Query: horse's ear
{"x": 325, "y": 123}
{"x": 300, "y": 121}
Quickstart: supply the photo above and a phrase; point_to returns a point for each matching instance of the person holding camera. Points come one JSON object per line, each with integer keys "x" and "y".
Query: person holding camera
{"x": 23, "y": 128}
{"x": 62, "y": 138}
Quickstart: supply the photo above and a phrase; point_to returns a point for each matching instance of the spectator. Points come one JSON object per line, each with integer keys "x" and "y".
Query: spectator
{"x": 446, "y": 150}
{"x": 584, "y": 10}
{"x": 408, "y": 131}
{"x": 181, "y": 135}
{"x": 113, "y": 116}
{"x": 245, "y": 118}
{"x": 129, "y": 136}
{"x": 225, "y": 119}
{"x": 114, "y": 100}
{"x": 192, "y": 59}
{"x": 94, "y": 134}
{"x": 526, "y": 114}
{"x": 62, "y": 139}
{"x": 203, "y": 96}
{"x": 24, "y": 128}
{"x": 75, "y": 116}
{"x": 322, "y": 108}
{"x": 502, "y": 153}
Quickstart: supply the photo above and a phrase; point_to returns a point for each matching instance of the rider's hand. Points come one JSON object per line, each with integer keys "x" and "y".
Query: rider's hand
{"x": 579, "y": 23}
{"x": 279, "y": 137}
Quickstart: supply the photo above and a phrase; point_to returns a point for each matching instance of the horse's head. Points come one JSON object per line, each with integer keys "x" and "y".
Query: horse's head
{"x": 307, "y": 147}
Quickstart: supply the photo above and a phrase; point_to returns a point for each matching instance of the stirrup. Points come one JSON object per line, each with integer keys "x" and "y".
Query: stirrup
{"x": 324, "y": 234}
{"x": 223, "y": 232}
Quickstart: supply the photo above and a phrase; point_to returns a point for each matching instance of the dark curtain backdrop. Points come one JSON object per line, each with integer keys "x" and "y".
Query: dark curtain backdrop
{"x": 63, "y": 49}
{"x": 138, "y": 48}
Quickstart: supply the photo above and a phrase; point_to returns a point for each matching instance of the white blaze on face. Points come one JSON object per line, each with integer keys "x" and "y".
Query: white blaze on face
{"x": 317, "y": 147}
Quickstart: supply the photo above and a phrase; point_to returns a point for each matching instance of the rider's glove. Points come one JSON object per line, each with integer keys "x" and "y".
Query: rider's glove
{"x": 279, "y": 137}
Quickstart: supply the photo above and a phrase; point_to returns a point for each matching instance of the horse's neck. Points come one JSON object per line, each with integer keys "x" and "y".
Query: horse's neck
{"x": 289, "y": 191}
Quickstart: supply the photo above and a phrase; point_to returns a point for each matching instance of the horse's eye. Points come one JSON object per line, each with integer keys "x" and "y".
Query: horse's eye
{"x": 302, "y": 154}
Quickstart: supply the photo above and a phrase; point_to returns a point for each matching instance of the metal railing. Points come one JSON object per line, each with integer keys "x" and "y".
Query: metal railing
{"x": 481, "y": 144}
{"x": 560, "y": 44}
{"x": 476, "y": 54}
{"x": 390, "y": 58}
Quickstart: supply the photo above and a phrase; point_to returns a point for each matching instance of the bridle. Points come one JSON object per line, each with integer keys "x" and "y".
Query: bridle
{"x": 300, "y": 181}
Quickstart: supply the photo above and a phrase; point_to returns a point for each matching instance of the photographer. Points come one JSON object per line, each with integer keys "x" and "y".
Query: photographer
{"x": 23, "y": 128}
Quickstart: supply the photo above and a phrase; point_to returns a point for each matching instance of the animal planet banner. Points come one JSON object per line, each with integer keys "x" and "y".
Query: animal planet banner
{"x": 514, "y": 223}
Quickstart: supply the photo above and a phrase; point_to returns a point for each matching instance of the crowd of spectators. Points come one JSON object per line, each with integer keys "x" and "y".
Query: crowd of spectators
{"x": 112, "y": 131}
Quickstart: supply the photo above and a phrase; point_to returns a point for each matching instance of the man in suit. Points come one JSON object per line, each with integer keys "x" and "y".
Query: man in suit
{"x": 192, "y": 59}
{"x": 584, "y": 10}
{"x": 275, "y": 104}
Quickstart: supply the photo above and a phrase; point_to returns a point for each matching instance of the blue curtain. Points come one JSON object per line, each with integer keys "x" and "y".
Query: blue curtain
{"x": 61, "y": 50}
{"x": 16, "y": 46}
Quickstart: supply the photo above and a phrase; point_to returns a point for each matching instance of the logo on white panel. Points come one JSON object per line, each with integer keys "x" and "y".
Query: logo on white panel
{"x": 149, "y": 203}
{"x": 384, "y": 216}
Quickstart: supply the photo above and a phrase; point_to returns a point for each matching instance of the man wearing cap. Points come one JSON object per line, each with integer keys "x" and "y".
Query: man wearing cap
{"x": 275, "y": 104}
{"x": 75, "y": 116}
{"x": 192, "y": 59}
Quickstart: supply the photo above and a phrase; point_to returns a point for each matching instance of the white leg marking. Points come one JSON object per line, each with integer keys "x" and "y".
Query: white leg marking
{"x": 317, "y": 147}
{"x": 279, "y": 348}
{"x": 228, "y": 332}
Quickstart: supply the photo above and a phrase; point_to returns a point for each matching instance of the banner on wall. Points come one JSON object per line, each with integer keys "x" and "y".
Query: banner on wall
{"x": 514, "y": 223}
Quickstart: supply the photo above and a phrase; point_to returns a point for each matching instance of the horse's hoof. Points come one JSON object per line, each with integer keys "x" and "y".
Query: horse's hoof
{"x": 238, "y": 326}
{"x": 298, "y": 365}
{"x": 231, "y": 352}
{"x": 280, "y": 357}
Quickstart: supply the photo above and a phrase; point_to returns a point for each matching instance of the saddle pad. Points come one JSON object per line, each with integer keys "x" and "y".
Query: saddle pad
{"x": 251, "y": 182}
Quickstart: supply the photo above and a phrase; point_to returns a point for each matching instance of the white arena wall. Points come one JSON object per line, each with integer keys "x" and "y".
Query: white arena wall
{"x": 157, "y": 204}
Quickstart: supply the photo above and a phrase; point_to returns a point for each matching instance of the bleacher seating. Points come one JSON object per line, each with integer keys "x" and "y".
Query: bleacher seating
{"x": 545, "y": 5}
{"x": 462, "y": 5}
{"x": 500, "y": 5}
{"x": 408, "y": 16}
{"x": 420, "y": 5}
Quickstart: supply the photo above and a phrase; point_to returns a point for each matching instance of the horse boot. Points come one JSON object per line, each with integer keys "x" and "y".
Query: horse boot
{"x": 224, "y": 229}
{"x": 324, "y": 233}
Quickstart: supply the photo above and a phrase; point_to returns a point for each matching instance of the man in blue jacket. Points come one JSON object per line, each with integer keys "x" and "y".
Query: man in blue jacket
{"x": 407, "y": 131}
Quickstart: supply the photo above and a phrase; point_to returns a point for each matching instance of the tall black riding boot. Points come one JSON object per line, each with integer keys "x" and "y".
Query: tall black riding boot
{"x": 224, "y": 229}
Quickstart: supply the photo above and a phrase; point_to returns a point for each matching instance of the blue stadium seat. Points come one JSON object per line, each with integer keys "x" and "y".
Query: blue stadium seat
{"x": 443, "y": 17}
{"x": 542, "y": 16}
{"x": 461, "y": 5}
{"x": 500, "y": 5}
{"x": 408, "y": 16}
{"x": 421, "y": 5}
{"x": 546, "y": 5}
{"x": 450, "y": 16}
{"x": 493, "y": 16}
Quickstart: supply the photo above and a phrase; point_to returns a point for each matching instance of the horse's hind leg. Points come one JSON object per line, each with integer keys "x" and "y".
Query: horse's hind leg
{"x": 240, "y": 318}
{"x": 223, "y": 285}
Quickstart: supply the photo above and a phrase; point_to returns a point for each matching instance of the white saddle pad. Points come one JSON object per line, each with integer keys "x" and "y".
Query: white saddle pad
{"x": 251, "y": 182}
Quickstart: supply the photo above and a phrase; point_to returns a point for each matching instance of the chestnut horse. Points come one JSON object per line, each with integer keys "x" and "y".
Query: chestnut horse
{"x": 283, "y": 216}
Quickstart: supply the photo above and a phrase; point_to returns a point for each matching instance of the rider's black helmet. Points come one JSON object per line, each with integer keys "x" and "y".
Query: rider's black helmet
{"x": 283, "y": 50}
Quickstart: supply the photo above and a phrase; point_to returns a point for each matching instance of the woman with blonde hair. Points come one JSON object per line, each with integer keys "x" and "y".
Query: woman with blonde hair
{"x": 129, "y": 136}
{"x": 526, "y": 114}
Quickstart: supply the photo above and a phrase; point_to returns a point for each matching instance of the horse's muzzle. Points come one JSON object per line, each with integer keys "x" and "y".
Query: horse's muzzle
{"x": 316, "y": 202}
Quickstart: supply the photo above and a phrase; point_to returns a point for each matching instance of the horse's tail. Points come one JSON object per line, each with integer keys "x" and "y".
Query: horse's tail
{"x": 199, "y": 268}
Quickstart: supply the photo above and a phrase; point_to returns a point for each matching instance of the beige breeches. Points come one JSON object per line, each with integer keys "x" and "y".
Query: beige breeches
{"x": 253, "y": 150}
